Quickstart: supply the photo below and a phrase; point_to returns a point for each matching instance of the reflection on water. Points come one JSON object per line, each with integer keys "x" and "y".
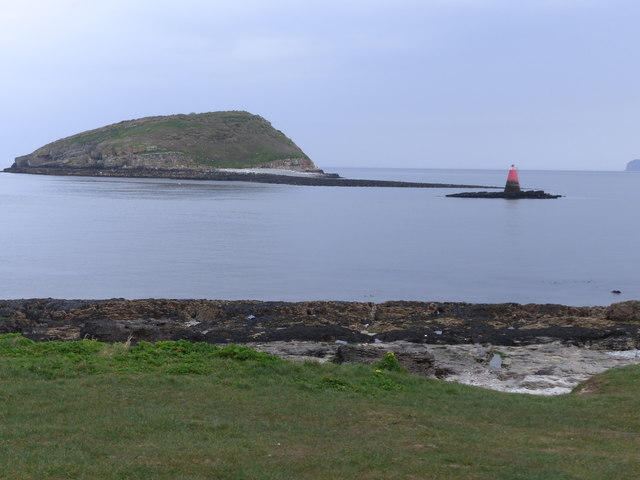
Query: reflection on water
{"x": 512, "y": 219}
{"x": 98, "y": 238}
{"x": 149, "y": 188}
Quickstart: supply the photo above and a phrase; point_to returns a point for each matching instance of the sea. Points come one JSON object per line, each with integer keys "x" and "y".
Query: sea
{"x": 99, "y": 238}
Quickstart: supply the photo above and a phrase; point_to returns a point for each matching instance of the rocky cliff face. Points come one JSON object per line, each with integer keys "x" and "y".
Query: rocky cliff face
{"x": 195, "y": 141}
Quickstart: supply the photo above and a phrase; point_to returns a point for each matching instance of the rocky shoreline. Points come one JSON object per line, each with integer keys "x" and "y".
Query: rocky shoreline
{"x": 323, "y": 180}
{"x": 511, "y": 347}
{"x": 616, "y": 327}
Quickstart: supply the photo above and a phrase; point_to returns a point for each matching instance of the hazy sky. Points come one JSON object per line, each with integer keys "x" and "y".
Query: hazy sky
{"x": 547, "y": 84}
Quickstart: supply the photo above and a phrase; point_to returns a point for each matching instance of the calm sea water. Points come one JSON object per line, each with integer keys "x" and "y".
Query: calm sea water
{"x": 68, "y": 237}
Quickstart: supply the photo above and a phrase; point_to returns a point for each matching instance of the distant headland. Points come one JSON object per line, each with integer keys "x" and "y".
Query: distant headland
{"x": 229, "y": 146}
{"x": 633, "y": 166}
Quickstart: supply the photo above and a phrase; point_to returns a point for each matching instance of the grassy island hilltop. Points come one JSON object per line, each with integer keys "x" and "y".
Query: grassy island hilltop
{"x": 234, "y": 139}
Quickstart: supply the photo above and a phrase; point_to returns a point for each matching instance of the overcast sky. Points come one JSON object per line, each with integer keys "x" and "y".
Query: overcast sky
{"x": 545, "y": 84}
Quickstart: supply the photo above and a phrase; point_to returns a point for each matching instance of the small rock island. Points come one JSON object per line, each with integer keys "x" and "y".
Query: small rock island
{"x": 511, "y": 191}
{"x": 230, "y": 146}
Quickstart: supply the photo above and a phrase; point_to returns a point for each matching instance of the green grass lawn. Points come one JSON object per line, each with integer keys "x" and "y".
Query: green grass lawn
{"x": 175, "y": 410}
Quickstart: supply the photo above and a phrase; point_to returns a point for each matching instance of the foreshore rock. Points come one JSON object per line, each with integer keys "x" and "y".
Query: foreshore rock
{"x": 551, "y": 346}
{"x": 616, "y": 327}
{"x": 510, "y": 195}
{"x": 546, "y": 369}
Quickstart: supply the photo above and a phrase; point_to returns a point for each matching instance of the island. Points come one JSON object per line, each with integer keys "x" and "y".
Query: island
{"x": 224, "y": 146}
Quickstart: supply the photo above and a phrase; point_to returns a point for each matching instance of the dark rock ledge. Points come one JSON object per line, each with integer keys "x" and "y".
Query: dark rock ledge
{"x": 524, "y": 194}
{"x": 616, "y": 327}
{"x": 325, "y": 180}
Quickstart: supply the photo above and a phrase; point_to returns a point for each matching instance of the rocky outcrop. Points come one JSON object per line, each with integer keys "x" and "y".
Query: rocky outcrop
{"x": 511, "y": 195}
{"x": 545, "y": 369}
{"x": 417, "y": 359}
{"x": 624, "y": 312}
{"x": 616, "y": 327}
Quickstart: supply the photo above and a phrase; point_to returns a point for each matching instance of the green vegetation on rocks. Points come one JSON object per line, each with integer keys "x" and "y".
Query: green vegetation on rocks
{"x": 232, "y": 139}
{"x": 88, "y": 410}
{"x": 390, "y": 362}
